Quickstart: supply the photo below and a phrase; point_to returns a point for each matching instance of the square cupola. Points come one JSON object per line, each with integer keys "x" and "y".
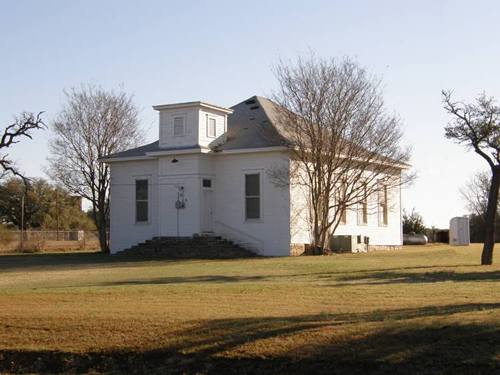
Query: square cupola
{"x": 191, "y": 124}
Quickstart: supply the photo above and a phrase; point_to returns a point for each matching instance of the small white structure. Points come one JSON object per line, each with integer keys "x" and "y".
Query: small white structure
{"x": 459, "y": 231}
{"x": 209, "y": 174}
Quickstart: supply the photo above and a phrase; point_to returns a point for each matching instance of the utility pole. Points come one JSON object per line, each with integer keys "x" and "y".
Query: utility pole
{"x": 22, "y": 222}
{"x": 57, "y": 215}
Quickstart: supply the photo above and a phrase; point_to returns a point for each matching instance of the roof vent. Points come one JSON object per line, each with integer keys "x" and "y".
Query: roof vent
{"x": 254, "y": 107}
{"x": 250, "y": 101}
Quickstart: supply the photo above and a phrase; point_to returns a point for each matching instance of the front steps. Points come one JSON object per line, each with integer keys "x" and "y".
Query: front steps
{"x": 196, "y": 247}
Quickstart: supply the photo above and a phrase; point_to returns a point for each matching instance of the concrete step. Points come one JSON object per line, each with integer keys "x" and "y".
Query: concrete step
{"x": 204, "y": 246}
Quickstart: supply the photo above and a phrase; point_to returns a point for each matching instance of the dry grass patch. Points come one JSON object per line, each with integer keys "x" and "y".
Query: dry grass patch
{"x": 427, "y": 310}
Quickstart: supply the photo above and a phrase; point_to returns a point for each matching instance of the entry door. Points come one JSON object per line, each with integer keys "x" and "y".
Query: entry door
{"x": 208, "y": 212}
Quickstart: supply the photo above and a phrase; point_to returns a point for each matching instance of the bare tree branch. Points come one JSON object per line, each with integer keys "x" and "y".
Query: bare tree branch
{"x": 477, "y": 126}
{"x": 22, "y": 127}
{"x": 344, "y": 145}
{"x": 94, "y": 123}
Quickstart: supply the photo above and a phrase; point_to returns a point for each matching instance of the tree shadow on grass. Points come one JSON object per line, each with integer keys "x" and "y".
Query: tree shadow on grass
{"x": 339, "y": 278}
{"x": 218, "y": 347}
{"x": 83, "y": 260}
{"x": 217, "y": 279}
{"x": 383, "y": 278}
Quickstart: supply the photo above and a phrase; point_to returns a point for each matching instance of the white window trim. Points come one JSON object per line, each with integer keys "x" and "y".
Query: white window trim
{"x": 184, "y": 118}
{"x": 208, "y": 127}
{"x": 343, "y": 217}
{"x": 380, "y": 212}
{"x": 360, "y": 212}
{"x": 139, "y": 178}
{"x": 343, "y": 214}
{"x": 261, "y": 200}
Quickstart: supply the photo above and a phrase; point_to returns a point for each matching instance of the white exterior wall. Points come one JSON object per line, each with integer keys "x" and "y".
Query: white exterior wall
{"x": 188, "y": 172}
{"x": 191, "y": 121}
{"x": 195, "y": 127}
{"x": 124, "y": 231}
{"x": 220, "y": 121}
{"x": 271, "y": 234}
{"x": 380, "y": 235}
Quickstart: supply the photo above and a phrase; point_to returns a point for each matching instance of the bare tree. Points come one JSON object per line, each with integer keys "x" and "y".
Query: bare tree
{"x": 477, "y": 126}
{"x": 22, "y": 127}
{"x": 475, "y": 193}
{"x": 92, "y": 124}
{"x": 345, "y": 147}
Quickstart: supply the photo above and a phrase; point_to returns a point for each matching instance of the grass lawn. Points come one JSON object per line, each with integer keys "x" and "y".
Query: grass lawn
{"x": 418, "y": 310}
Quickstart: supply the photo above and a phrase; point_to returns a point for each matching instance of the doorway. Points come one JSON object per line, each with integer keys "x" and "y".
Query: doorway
{"x": 207, "y": 204}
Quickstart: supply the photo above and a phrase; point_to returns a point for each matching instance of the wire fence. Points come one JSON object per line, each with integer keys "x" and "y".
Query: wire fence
{"x": 52, "y": 240}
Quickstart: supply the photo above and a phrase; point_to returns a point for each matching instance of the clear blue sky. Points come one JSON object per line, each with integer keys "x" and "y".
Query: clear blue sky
{"x": 223, "y": 52}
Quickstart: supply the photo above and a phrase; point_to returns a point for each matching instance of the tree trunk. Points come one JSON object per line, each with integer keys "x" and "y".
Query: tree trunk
{"x": 489, "y": 238}
{"x": 100, "y": 223}
{"x": 103, "y": 233}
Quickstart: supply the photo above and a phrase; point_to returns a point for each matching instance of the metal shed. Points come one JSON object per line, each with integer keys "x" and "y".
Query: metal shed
{"x": 459, "y": 231}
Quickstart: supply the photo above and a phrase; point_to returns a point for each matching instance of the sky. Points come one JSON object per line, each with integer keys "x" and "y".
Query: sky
{"x": 223, "y": 52}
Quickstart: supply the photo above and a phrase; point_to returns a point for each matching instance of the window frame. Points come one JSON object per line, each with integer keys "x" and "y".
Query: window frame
{"x": 245, "y": 196}
{"x": 383, "y": 208}
{"x": 362, "y": 212}
{"x": 148, "y": 200}
{"x": 209, "y": 118}
{"x": 211, "y": 187}
{"x": 343, "y": 213}
{"x": 179, "y": 116}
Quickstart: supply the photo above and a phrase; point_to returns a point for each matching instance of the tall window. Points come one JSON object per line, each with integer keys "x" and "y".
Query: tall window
{"x": 252, "y": 196}
{"x": 341, "y": 206}
{"x": 343, "y": 216}
{"x": 141, "y": 201}
{"x": 363, "y": 208}
{"x": 382, "y": 206}
{"x": 178, "y": 126}
{"x": 211, "y": 127}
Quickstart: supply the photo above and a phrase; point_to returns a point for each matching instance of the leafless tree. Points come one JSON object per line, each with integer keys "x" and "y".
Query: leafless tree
{"x": 92, "y": 124}
{"x": 345, "y": 147}
{"x": 477, "y": 126}
{"x": 23, "y": 126}
{"x": 475, "y": 193}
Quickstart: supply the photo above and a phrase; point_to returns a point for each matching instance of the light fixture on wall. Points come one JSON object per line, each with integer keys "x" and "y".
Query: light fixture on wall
{"x": 174, "y": 160}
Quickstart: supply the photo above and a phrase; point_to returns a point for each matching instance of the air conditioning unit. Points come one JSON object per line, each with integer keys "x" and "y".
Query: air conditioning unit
{"x": 349, "y": 243}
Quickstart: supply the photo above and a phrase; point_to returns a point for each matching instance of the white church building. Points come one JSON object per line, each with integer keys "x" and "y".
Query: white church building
{"x": 208, "y": 174}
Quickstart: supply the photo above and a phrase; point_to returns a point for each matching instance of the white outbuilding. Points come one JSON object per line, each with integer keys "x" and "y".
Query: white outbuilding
{"x": 459, "y": 231}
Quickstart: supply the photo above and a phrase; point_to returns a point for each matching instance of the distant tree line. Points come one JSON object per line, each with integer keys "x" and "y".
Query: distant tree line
{"x": 46, "y": 207}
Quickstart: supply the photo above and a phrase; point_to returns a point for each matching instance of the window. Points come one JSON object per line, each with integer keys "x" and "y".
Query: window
{"x": 382, "y": 206}
{"x": 363, "y": 208}
{"x": 252, "y": 196}
{"x": 206, "y": 183}
{"x": 178, "y": 126}
{"x": 141, "y": 201}
{"x": 341, "y": 205}
{"x": 343, "y": 216}
{"x": 211, "y": 127}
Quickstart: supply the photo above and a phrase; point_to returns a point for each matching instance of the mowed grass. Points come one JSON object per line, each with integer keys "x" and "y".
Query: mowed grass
{"x": 426, "y": 309}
